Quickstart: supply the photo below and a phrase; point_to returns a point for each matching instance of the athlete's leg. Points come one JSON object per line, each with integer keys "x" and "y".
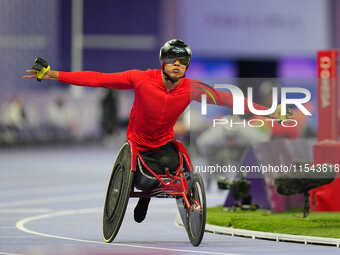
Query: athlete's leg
{"x": 164, "y": 157}
{"x": 141, "y": 209}
{"x": 158, "y": 160}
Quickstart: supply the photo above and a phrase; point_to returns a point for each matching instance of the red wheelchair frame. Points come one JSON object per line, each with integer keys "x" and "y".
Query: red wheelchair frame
{"x": 177, "y": 184}
{"x": 185, "y": 186}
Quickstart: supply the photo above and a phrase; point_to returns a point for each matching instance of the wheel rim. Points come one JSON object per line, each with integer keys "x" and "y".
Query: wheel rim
{"x": 114, "y": 192}
{"x": 195, "y": 215}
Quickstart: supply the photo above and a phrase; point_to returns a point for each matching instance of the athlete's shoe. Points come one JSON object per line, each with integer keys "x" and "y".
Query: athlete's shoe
{"x": 141, "y": 209}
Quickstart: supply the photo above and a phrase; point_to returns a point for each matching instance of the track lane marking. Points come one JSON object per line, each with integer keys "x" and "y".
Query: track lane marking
{"x": 51, "y": 200}
{"x": 14, "y": 192}
{"x": 25, "y": 210}
{"x": 7, "y": 253}
{"x": 21, "y": 226}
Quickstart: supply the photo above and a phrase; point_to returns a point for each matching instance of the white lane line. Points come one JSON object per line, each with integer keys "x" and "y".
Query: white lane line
{"x": 21, "y": 225}
{"x": 25, "y": 210}
{"x": 7, "y": 253}
{"x": 49, "y": 200}
{"x": 13, "y": 191}
{"x": 131, "y": 42}
{"x": 16, "y": 237}
{"x": 23, "y": 41}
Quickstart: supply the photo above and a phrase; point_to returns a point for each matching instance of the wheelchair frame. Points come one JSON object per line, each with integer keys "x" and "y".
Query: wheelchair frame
{"x": 172, "y": 186}
{"x": 177, "y": 184}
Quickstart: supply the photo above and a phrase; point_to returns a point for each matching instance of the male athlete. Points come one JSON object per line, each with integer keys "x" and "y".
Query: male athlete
{"x": 161, "y": 96}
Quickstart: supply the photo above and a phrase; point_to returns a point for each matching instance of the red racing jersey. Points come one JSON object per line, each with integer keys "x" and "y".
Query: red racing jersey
{"x": 155, "y": 109}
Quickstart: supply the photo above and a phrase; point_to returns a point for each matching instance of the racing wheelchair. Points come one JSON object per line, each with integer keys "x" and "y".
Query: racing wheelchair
{"x": 184, "y": 185}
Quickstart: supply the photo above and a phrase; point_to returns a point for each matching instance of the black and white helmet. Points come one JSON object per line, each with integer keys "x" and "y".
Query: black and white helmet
{"x": 175, "y": 48}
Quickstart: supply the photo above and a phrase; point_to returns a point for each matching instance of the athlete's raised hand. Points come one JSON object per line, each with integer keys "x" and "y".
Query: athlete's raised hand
{"x": 41, "y": 70}
{"x": 277, "y": 114}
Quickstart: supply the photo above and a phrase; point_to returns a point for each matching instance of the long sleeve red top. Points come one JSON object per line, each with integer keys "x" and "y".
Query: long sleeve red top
{"x": 155, "y": 109}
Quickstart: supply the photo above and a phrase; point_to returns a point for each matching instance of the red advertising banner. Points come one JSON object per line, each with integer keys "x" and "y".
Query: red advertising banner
{"x": 327, "y": 150}
{"x": 328, "y": 95}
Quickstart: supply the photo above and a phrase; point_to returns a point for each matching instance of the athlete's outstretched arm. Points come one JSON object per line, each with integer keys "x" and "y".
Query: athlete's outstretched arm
{"x": 222, "y": 98}
{"x": 217, "y": 97}
{"x": 121, "y": 80}
{"x": 88, "y": 78}
{"x": 50, "y": 75}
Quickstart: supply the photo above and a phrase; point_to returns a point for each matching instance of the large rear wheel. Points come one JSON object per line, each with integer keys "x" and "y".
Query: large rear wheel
{"x": 194, "y": 219}
{"x": 117, "y": 194}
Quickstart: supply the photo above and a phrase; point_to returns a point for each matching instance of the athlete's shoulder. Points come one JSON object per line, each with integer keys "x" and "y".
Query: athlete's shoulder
{"x": 148, "y": 74}
{"x": 153, "y": 73}
{"x": 198, "y": 83}
{"x": 133, "y": 72}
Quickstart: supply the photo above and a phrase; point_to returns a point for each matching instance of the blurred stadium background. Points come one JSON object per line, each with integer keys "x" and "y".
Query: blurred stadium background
{"x": 265, "y": 40}
{"x": 276, "y": 39}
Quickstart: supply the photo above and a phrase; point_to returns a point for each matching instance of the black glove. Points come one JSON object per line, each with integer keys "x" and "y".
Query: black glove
{"x": 41, "y": 66}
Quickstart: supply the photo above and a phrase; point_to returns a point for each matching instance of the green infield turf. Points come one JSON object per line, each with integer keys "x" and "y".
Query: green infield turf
{"x": 322, "y": 224}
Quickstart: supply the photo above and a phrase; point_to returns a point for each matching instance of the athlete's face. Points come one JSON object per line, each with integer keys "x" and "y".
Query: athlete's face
{"x": 176, "y": 69}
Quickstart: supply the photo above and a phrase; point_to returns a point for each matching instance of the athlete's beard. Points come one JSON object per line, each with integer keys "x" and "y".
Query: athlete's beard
{"x": 168, "y": 78}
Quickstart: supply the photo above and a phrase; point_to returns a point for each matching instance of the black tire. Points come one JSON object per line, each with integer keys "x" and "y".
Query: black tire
{"x": 194, "y": 220}
{"x": 117, "y": 194}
